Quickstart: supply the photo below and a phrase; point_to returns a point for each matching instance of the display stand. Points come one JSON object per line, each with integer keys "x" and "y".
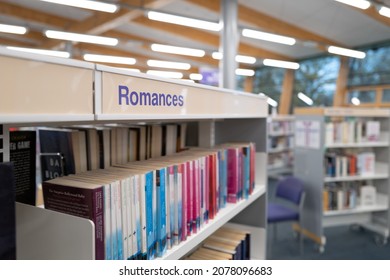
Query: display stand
{"x": 311, "y": 164}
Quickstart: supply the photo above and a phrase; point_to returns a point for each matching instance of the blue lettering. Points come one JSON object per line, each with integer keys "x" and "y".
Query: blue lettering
{"x": 174, "y": 100}
{"x": 161, "y": 100}
{"x": 181, "y": 100}
{"x": 134, "y": 96}
{"x": 154, "y": 99}
{"x": 169, "y": 100}
{"x": 123, "y": 93}
{"x": 144, "y": 98}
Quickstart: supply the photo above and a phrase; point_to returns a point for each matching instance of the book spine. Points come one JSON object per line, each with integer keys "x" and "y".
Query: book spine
{"x": 184, "y": 202}
{"x": 233, "y": 175}
{"x": 143, "y": 208}
{"x": 150, "y": 238}
{"x": 161, "y": 213}
{"x": 124, "y": 217}
{"x": 179, "y": 202}
{"x": 107, "y": 222}
{"x": 190, "y": 196}
{"x": 114, "y": 240}
{"x": 118, "y": 214}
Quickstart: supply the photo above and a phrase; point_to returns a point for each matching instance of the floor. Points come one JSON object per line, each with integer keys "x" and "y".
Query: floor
{"x": 343, "y": 243}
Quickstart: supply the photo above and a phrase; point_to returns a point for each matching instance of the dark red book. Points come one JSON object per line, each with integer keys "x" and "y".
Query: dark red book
{"x": 80, "y": 199}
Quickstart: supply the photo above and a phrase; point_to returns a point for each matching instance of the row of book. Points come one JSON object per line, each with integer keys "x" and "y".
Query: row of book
{"x": 352, "y": 131}
{"x": 282, "y": 127}
{"x": 140, "y": 209}
{"x": 225, "y": 244}
{"x": 348, "y": 196}
{"x": 342, "y": 165}
{"x": 281, "y": 143}
{"x": 78, "y": 149}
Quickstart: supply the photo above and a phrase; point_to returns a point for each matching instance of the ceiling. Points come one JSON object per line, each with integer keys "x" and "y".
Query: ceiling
{"x": 314, "y": 23}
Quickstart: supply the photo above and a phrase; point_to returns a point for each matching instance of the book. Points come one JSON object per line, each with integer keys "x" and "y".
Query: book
{"x": 7, "y": 212}
{"x": 22, "y": 145}
{"x": 58, "y": 143}
{"x": 80, "y": 199}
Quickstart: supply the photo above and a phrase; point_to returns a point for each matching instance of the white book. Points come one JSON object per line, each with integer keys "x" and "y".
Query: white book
{"x": 351, "y": 131}
{"x": 329, "y": 133}
{"x": 372, "y": 130}
{"x": 124, "y": 219}
{"x": 366, "y": 163}
{"x": 367, "y": 195}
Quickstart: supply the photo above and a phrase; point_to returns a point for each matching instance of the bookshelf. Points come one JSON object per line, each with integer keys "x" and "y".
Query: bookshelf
{"x": 329, "y": 141}
{"x": 62, "y": 92}
{"x": 280, "y": 145}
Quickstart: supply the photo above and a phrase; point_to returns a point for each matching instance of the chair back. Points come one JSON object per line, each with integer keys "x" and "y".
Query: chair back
{"x": 290, "y": 188}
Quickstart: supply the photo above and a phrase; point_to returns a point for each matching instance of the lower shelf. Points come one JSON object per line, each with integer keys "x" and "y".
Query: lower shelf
{"x": 223, "y": 216}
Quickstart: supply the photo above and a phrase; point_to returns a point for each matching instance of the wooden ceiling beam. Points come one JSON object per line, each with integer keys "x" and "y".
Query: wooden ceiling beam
{"x": 267, "y": 22}
{"x": 14, "y": 43}
{"x": 207, "y": 38}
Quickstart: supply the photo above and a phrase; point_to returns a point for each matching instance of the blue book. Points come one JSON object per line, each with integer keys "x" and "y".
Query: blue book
{"x": 161, "y": 212}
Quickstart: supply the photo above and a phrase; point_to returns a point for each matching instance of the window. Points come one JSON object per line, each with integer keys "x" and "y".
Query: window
{"x": 316, "y": 78}
{"x": 357, "y": 97}
{"x": 386, "y": 95}
{"x": 269, "y": 80}
{"x": 374, "y": 69}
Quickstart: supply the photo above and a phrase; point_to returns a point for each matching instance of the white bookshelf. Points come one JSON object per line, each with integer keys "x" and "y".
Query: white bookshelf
{"x": 68, "y": 92}
{"x": 280, "y": 130}
{"x": 309, "y": 165}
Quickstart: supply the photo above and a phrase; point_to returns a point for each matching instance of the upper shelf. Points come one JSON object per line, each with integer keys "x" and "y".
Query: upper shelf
{"x": 343, "y": 112}
{"x": 37, "y": 88}
{"x": 129, "y": 95}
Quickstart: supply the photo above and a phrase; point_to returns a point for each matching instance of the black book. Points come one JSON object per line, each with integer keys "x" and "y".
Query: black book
{"x": 57, "y": 156}
{"x": 23, "y": 156}
{"x": 7, "y": 212}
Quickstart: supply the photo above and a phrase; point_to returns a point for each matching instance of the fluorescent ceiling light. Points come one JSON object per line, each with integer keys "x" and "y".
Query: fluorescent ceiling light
{"x": 305, "y": 98}
{"x": 239, "y": 58}
{"x": 281, "y": 63}
{"x": 168, "y": 64}
{"x": 165, "y": 74}
{"x": 40, "y": 51}
{"x": 245, "y": 72}
{"x": 86, "y": 4}
{"x": 14, "y": 29}
{"x": 270, "y": 101}
{"x": 384, "y": 11}
{"x": 346, "y": 52}
{"x": 109, "y": 59}
{"x": 81, "y": 38}
{"x": 268, "y": 37}
{"x": 361, "y": 4}
{"x": 190, "y": 22}
{"x": 196, "y": 76}
{"x": 355, "y": 101}
{"x": 177, "y": 50}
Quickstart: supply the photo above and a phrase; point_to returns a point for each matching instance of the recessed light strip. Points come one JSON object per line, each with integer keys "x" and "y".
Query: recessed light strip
{"x": 40, "y": 51}
{"x": 361, "y": 4}
{"x": 245, "y": 72}
{"x": 239, "y": 58}
{"x": 60, "y": 35}
{"x": 87, "y": 4}
{"x": 109, "y": 59}
{"x": 168, "y": 64}
{"x": 305, "y": 98}
{"x": 185, "y": 21}
{"x": 177, "y": 50}
{"x": 346, "y": 52}
{"x": 268, "y": 37}
{"x": 384, "y": 11}
{"x": 281, "y": 64}
{"x": 165, "y": 74}
{"x": 14, "y": 29}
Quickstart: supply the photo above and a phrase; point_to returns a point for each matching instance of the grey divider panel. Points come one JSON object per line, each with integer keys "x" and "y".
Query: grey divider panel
{"x": 244, "y": 130}
{"x": 308, "y": 166}
{"x": 45, "y": 235}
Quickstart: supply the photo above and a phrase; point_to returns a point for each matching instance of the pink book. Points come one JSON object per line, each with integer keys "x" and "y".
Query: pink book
{"x": 184, "y": 201}
{"x": 233, "y": 174}
{"x": 190, "y": 196}
{"x": 196, "y": 199}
